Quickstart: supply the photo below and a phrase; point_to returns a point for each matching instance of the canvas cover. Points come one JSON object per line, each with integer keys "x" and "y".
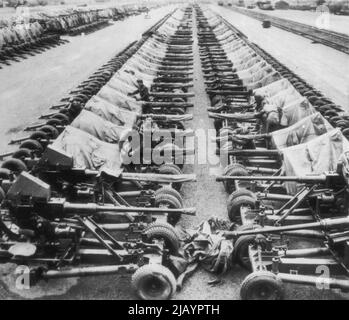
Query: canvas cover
{"x": 283, "y": 97}
{"x": 146, "y": 78}
{"x": 87, "y": 151}
{"x": 119, "y": 99}
{"x": 262, "y": 79}
{"x": 98, "y": 127}
{"x": 250, "y": 71}
{"x": 296, "y": 111}
{"x": 301, "y": 132}
{"x": 121, "y": 86}
{"x": 126, "y": 77}
{"x": 112, "y": 113}
{"x": 245, "y": 65}
{"x": 314, "y": 157}
{"x": 273, "y": 88}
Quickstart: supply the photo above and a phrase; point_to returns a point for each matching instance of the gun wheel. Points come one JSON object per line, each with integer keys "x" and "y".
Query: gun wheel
{"x": 165, "y": 200}
{"x": 262, "y": 285}
{"x": 5, "y": 174}
{"x": 172, "y": 169}
{"x": 22, "y": 154}
{"x": 32, "y": 145}
{"x": 154, "y": 282}
{"x": 14, "y": 165}
{"x": 234, "y": 169}
{"x": 170, "y": 191}
{"x": 238, "y": 199}
{"x": 163, "y": 231}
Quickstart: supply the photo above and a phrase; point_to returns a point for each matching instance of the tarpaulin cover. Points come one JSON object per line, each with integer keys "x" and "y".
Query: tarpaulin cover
{"x": 283, "y": 97}
{"x": 112, "y": 113}
{"x": 126, "y": 77}
{"x": 301, "y": 132}
{"x": 87, "y": 151}
{"x": 121, "y": 86}
{"x": 262, "y": 79}
{"x": 314, "y": 157}
{"x": 132, "y": 79}
{"x": 144, "y": 62}
{"x": 119, "y": 99}
{"x": 98, "y": 127}
{"x": 251, "y": 70}
{"x": 273, "y": 88}
{"x": 141, "y": 69}
{"x": 205, "y": 246}
{"x": 240, "y": 53}
{"x": 257, "y": 75}
{"x": 296, "y": 111}
{"x": 248, "y": 64}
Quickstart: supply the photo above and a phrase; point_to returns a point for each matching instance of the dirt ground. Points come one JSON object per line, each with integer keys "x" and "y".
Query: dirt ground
{"x": 29, "y": 87}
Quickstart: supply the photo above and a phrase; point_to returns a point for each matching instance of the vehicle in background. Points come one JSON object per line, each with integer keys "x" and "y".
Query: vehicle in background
{"x": 282, "y": 5}
{"x": 339, "y": 7}
{"x": 265, "y": 5}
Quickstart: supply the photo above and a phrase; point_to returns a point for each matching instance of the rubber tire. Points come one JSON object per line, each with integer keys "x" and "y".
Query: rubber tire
{"x": 236, "y": 200}
{"x": 51, "y": 131}
{"x": 5, "y": 174}
{"x": 170, "y": 191}
{"x": 170, "y": 168}
{"x": 234, "y": 169}
{"x": 345, "y": 132}
{"x": 258, "y": 278}
{"x": 177, "y": 111}
{"x": 32, "y": 145}
{"x": 14, "y": 165}
{"x": 54, "y": 122}
{"x": 170, "y": 202}
{"x": 22, "y": 153}
{"x": 37, "y": 135}
{"x": 342, "y": 124}
{"x": 239, "y": 254}
{"x": 165, "y": 231}
{"x": 156, "y": 272}
{"x": 2, "y": 195}
{"x": 61, "y": 117}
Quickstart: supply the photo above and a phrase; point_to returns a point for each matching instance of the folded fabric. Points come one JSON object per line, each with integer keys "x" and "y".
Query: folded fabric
{"x": 87, "y": 151}
{"x": 111, "y": 112}
{"x": 98, "y": 127}
{"x": 301, "y": 132}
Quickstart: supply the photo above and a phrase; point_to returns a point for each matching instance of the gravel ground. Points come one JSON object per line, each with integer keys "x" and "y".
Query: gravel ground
{"x": 206, "y": 194}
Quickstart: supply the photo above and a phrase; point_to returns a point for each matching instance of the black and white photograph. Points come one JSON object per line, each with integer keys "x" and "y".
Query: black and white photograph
{"x": 194, "y": 152}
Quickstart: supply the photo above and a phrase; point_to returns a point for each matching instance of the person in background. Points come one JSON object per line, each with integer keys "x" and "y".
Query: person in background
{"x": 142, "y": 90}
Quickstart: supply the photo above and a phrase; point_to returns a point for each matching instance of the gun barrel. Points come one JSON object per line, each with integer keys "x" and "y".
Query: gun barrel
{"x": 256, "y": 152}
{"x": 93, "y": 208}
{"x": 304, "y": 179}
{"x": 324, "y": 224}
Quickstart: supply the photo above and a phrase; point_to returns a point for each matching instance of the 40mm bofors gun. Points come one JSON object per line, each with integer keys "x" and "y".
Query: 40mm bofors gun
{"x": 52, "y": 236}
{"x": 323, "y": 194}
{"x": 265, "y": 249}
{"x": 274, "y": 263}
{"x": 28, "y": 195}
